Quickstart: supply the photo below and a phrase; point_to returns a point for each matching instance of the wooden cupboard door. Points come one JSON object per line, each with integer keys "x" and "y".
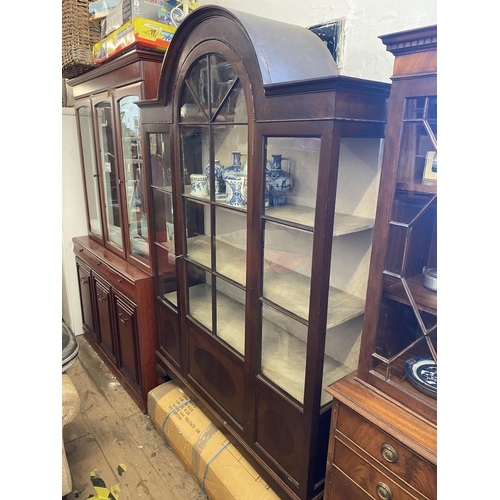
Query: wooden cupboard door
{"x": 104, "y": 315}
{"x": 84, "y": 284}
{"x": 126, "y": 331}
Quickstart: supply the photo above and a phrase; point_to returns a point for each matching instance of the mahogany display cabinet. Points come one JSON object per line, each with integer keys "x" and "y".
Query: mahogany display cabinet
{"x": 114, "y": 258}
{"x": 384, "y": 424}
{"x": 264, "y": 167}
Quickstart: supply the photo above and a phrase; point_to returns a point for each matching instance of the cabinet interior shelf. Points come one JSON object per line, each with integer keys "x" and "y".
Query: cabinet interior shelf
{"x": 284, "y": 359}
{"x": 425, "y": 299}
{"x": 281, "y": 285}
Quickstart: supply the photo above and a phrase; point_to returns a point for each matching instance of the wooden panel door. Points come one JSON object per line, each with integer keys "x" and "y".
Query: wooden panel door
{"x": 84, "y": 284}
{"x": 104, "y": 315}
{"x": 126, "y": 333}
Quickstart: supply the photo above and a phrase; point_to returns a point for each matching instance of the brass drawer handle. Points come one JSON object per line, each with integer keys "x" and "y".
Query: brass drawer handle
{"x": 83, "y": 281}
{"x": 120, "y": 280}
{"x": 383, "y": 491}
{"x": 98, "y": 263}
{"x": 389, "y": 453}
{"x": 101, "y": 298}
{"x": 80, "y": 249}
{"x": 121, "y": 318}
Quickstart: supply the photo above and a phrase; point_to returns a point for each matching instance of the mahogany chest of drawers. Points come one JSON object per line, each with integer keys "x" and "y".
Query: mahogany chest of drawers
{"x": 377, "y": 448}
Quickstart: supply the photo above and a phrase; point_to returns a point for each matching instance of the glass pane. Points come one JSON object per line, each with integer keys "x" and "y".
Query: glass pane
{"x": 418, "y": 155}
{"x": 287, "y": 267}
{"x": 197, "y": 216}
{"x": 90, "y": 169}
{"x": 231, "y": 244}
{"x": 284, "y": 347}
{"x": 166, "y": 280}
{"x": 194, "y": 101}
{"x": 159, "y": 151}
{"x": 222, "y": 77}
{"x": 231, "y": 315}
{"x": 291, "y": 178}
{"x": 230, "y": 153}
{"x": 134, "y": 177}
{"x": 199, "y": 284}
{"x": 234, "y": 108}
{"x": 109, "y": 171}
{"x": 164, "y": 219}
{"x": 194, "y": 158}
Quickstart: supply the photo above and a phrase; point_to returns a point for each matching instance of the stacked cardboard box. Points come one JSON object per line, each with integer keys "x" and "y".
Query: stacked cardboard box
{"x": 221, "y": 470}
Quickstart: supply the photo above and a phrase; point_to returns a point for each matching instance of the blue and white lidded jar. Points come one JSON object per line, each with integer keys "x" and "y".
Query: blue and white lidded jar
{"x": 199, "y": 185}
{"x": 219, "y": 182}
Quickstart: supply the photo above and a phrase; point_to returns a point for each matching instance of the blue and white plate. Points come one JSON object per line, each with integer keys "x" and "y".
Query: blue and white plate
{"x": 422, "y": 374}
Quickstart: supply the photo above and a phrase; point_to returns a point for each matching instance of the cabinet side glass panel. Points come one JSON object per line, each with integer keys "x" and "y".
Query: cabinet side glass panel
{"x": 90, "y": 169}
{"x": 134, "y": 177}
{"x": 158, "y": 145}
{"x": 289, "y": 199}
{"x": 358, "y": 183}
{"x": 406, "y": 335}
{"x": 109, "y": 172}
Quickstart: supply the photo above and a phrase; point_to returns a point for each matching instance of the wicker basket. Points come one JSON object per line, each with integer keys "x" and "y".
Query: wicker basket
{"x": 78, "y": 37}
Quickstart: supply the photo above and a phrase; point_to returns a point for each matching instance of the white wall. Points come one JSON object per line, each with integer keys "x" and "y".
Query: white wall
{"x": 364, "y": 55}
{"x": 73, "y": 220}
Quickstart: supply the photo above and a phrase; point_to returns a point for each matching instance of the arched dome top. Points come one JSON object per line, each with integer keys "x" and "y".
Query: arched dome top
{"x": 284, "y": 52}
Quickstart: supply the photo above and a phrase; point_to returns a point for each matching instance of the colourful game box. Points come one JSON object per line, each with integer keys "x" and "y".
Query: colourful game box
{"x": 140, "y": 32}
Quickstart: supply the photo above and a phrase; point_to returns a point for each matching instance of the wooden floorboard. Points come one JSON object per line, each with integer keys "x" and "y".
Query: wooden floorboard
{"x": 111, "y": 433}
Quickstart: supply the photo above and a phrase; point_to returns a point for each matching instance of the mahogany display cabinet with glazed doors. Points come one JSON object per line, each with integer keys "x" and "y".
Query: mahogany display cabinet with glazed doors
{"x": 393, "y": 397}
{"x": 264, "y": 167}
{"x": 114, "y": 258}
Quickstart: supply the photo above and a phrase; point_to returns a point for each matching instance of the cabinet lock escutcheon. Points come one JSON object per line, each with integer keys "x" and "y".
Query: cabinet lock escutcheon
{"x": 383, "y": 491}
{"x": 389, "y": 453}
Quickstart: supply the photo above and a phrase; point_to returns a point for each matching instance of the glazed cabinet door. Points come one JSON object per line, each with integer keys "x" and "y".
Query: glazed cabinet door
{"x": 401, "y": 336}
{"x": 85, "y": 284}
{"x": 127, "y": 341}
{"x": 111, "y": 177}
{"x": 213, "y": 149}
{"x": 89, "y": 169}
{"x": 133, "y": 186}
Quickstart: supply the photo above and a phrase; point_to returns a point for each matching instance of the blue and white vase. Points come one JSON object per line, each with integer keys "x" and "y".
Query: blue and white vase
{"x": 235, "y": 169}
{"x": 280, "y": 183}
{"x": 219, "y": 183}
{"x": 235, "y": 195}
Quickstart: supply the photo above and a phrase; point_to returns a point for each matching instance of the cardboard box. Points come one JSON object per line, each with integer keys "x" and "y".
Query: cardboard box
{"x": 221, "y": 470}
{"x": 99, "y": 9}
{"x": 139, "y": 32}
{"x": 126, "y": 10}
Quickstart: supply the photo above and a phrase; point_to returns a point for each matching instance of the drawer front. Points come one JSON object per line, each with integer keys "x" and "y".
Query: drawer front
{"x": 376, "y": 484}
{"x": 338, "y": 487}
{"x": 389, "y": 452}
{"x": 115, "y": 279}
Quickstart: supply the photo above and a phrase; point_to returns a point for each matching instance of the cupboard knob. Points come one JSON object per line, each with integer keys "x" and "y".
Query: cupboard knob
{"x": 121, "y": 318}
{"x": 101, "y": 298}
{"x": 389, "y": 453}
{"x": 83, "y": 281}
{"x": 120, "y": 280}
{"x": 80, "y": 249}
{"x": 98, "y": 263}
{"x": 383, "y": 491}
